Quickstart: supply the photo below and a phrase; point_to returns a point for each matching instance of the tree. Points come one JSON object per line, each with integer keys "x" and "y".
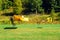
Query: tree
{"x": 0, "y": 4}
{"x": 37, "y": 4}
{"x": 47, "y": 6}
{"x": 27, "y": 6}
{"x": 17, "y": 6}
{"x": 33, "y": 5}
{"x": 5, "y": 4}
{"x": 10, "y": 3}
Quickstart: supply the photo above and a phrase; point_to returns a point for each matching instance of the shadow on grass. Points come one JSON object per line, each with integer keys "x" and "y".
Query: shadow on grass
{"x": 10, "y": 28}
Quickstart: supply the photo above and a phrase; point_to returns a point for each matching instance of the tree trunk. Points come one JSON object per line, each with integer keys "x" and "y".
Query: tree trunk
{"x": 36, "y": 11}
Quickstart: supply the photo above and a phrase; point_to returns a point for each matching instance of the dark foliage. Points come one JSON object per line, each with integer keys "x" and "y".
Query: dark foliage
{"x": 47, "y": 6}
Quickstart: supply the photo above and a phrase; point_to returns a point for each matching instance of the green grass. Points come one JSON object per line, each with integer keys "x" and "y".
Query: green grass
{"x": 31, "y": 32}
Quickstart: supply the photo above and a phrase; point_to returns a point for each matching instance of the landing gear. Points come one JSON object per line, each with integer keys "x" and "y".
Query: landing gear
{"x": 13, "y": 24}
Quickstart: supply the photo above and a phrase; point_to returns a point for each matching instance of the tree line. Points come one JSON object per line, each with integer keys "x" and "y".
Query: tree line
{"x": 30, "y": 6}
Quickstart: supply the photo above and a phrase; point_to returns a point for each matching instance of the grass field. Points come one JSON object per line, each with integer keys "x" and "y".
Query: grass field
{"x": 31, "y": 32}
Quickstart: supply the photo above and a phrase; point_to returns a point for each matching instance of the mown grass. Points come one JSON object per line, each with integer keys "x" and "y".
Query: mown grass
{"x": 31, "y": 32}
